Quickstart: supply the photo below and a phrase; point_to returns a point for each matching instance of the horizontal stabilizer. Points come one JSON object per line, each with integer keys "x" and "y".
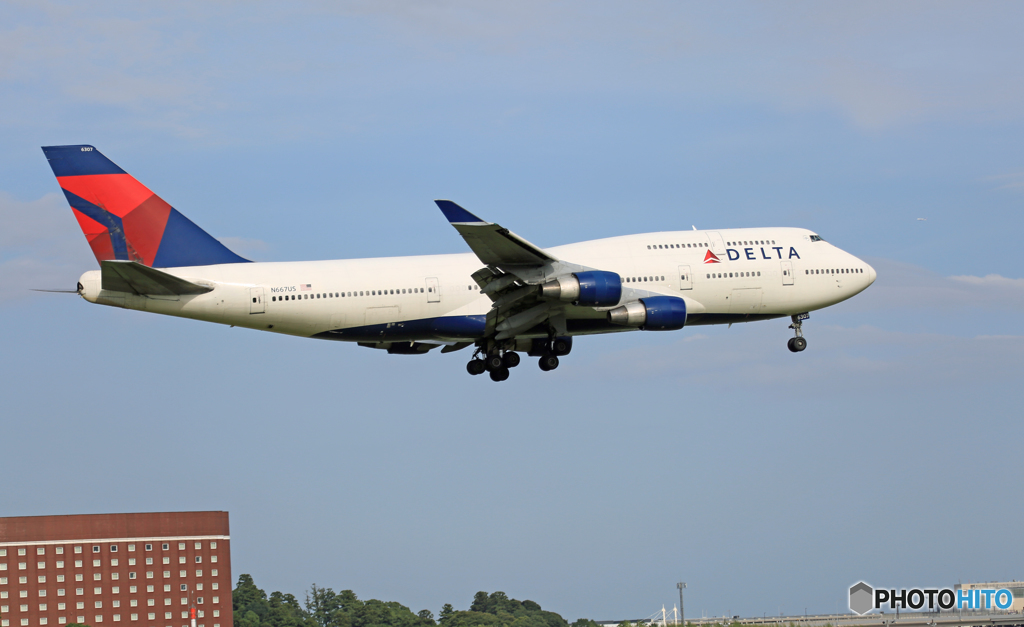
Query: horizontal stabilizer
{"x": 135, "y": 278}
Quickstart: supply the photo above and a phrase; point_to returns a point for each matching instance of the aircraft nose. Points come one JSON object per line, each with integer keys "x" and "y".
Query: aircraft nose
{"x": 872, "y": 275}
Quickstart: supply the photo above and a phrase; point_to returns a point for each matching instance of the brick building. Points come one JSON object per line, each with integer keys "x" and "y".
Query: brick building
{"x": 135, "y": 570}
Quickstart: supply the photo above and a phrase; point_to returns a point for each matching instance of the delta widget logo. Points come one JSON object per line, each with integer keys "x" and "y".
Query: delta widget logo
{"x": 710, "y": 257}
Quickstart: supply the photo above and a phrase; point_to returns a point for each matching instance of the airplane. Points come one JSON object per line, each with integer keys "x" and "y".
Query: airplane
{"x": 504, "y": 298}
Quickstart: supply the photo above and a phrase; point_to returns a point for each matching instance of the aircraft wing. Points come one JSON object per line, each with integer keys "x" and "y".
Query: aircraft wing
{"x": 492, "y": 243}
{"x": 513, "y": 270}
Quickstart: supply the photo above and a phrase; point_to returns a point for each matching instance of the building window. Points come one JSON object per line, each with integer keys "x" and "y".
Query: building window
{"x": 24, "y": 608}
{"x": 79, "y": 591}
{"x": 199, "y": 586}
{"x": 131, "y": 561}
{"x": 78, "y": 563}
{"x": 60, "y": 563}
{"x": 41, "y": 565}
{"x": 62, "y": 620}
{"x": 22, "y": 565}
{"x": 199, "y": 600}
{"x": 199, "y": 573}
{"x": 215, "y": 585}
{"x": 167, "y": 588}
{"x": 167, "y": 574}
{"x": 42, "y": 593}
{"x": 216, "y": 613}
{"x": 61, "y": 607}
{"x": 80, "y": 605}
{"x": 181, "y": 546}
{"x": 131, "y": 575}
{"x": 95, "y": 563}
{"x": 98, "y": 604}
{"x": 42, "y": 607}
{"x": 97, "y": 576}
{"x": 151, "y": 602}
{"x": 181, "y": 573}
{"x": 113, "y": 562}
{"x": 167, "y": 560}
{"x": 115, "y": 576}
{"x": 181, "y": 560}
{"x": 22, "y": 579}
{"x": 60, "y": 592}
{"x": 135, "y": 617}
{"x": 131, "y": 547}
{"x": 213, "y": 545}
{"x": 165, "y": 546}
{"x": 98, "y": 618}
{"x": 213, "y": 573}
{"x": 41, "y": 578}
{"x": 115, "y": 603}
{"x": 184, "y": 600}
{"x": 3, "y": 552}
{"x": 199, "y": 559}
{"x": 97, "y": 590}
{"x": 117, "y": 617}
{"x": 149, "y": 547}
{"x": 167, "y": 601}
{"x": 95, "y": 548}
{"x": 149, "y": 574}
{"x": 60, "y": 578}
{"x": 115, "y": 590}
{"x": 21, "y": 551}
{"x": 79, "y": 577}
{"x": 3, "y": 566}
{"x": 199, "y": 545}
{"x": 133, "y": 603}
{"x": 151, "y": 616}
{"x": 40, "y": 550}
{"x": 113, "y": 548}
{"x": 213, "y": 558}
{"x": 3, "y": 581}
{"x": 59, "y": 550}
{"x": 78, "y": 549}
{"x": 167, "y": 616}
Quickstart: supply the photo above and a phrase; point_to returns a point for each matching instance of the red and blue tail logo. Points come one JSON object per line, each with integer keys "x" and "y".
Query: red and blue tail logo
{"x": 122, "y": 219}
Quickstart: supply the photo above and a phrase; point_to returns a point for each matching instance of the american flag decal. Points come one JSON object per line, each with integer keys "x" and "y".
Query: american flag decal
{"x": 305, "y": 287}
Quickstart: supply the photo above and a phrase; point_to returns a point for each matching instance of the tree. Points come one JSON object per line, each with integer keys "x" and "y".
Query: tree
{"x": 446, "y": 612}
{"x": 426, "y": 614}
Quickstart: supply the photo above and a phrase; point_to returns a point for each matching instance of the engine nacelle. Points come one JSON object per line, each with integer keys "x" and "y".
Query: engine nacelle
{"x": 590, "y": 289}
{"x": 657, "y": 313}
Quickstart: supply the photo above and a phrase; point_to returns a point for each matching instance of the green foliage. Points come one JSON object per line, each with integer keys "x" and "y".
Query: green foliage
{"x": 498, "y": 610}
{"x": 323, "y": 607}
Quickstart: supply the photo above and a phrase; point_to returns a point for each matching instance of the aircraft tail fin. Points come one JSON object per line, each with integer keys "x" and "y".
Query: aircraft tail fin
{"x": 124, "y": 220}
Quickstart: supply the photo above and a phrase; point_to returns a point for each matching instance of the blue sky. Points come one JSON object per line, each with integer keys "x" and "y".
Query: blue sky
{"x": 768, "y": 481}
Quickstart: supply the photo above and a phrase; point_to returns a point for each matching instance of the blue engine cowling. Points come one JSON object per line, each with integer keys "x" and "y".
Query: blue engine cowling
{"x": 656, "y": 313}
{"x": 590, "y": 289}
{"x": 598, "y": 288}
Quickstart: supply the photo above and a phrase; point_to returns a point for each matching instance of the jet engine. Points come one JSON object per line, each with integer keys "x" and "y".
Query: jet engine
{"x": 590, "y": 289}
{"x": 657, "y": 313}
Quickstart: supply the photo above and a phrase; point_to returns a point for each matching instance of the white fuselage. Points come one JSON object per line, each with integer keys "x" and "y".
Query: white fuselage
{"x": 784, "y": 273}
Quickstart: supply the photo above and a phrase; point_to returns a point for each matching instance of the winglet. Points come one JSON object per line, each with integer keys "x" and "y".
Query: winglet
{"x": 456, "y": 214}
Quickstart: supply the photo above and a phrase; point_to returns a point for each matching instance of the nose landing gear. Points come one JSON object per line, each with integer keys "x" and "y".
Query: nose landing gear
{"x": 798, "y": 343}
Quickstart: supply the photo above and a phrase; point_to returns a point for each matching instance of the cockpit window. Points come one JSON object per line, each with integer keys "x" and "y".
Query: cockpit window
{"x": 817, "y": 238}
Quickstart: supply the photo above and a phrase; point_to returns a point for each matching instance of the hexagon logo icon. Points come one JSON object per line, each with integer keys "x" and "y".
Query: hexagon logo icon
{"x": 861, "y": 598}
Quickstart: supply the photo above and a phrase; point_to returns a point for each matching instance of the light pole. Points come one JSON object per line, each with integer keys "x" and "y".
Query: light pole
{"x": 682, "y": 614}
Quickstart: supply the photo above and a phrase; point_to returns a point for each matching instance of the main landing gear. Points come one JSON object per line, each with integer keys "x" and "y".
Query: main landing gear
{"x": 798, "y": 343}
{"x": 498, "y": 360}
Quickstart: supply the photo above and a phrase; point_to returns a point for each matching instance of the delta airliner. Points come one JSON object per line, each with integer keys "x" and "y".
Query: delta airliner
{"x": 504, "y": 298}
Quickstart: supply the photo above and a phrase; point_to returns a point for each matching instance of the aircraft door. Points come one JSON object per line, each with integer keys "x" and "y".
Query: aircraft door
{"x": 685, "y": 278}
{"x": 433, "y": 290}
{"x": 256, "y": 300}
{"x": 787, "y": 272}
{"x": 717, "y": 243}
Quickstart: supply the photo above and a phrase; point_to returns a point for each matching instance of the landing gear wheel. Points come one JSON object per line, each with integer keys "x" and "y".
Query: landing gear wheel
{"x": 797, "y": 344}
{"x": 499, "y": 374}
{"x": 548, "y": 362}
{"x": 494, "y": 362}
{"x": 510, "y": 359}
{"x": 560, "y": 346}
{"x": 476, "y": 366}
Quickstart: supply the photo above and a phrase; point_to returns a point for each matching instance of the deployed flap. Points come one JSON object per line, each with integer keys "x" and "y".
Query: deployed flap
{"x": 135, "y": 278}
{"x": 493, "y": 244}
